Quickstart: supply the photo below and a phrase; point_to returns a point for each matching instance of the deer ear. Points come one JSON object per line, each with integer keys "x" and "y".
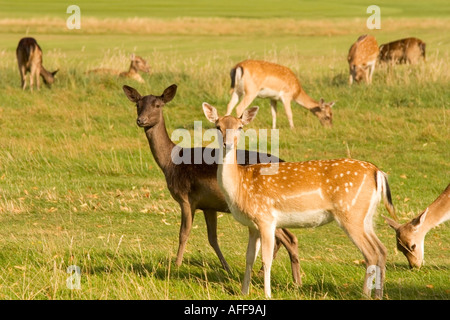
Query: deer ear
{"x": 210, "y": 112}
{"x": 133, "y": 56}
{"x": 394, "y": 224}
{"x": 131, "y": 93}
{"x": 417, "y": 222}
{"x": 169, "y": 93}
{"x": 54, "y": 72}
{"x": 331, "y": 104}
{"x": 249, "y": 115}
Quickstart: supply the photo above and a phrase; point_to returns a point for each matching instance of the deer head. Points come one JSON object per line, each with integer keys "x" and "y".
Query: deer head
{"x": 139, "y": 64}
{"x": 410, "y": 239}
{"x": 324, "y": 113}
{"x": 149, "y": 108}
{"x": 48, "y": 77}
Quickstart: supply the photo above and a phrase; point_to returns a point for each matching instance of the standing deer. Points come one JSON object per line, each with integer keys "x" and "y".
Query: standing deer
{"x": 362, "y": 58}
{"x": 253, "y": 78}
{"x": 193, "y": 186}
{"x": 411, "y": 235}
{"x": 29, "y": 59}
{"x": 301, "y": 195}
{"x": 137, "y": 64}
{"x": 409, "y": 50}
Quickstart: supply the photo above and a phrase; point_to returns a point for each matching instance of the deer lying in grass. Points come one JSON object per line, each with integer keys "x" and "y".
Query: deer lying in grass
{"x": 362, "y": 58}
{"x": 264, "y": 197}
{"x": 409, "y": 50}
{"x": 411, "y": 235}
{"x": 29, "y": 59}
{"x": 253, "y": 78}
{"x": 137, "y": 65}
{"x": 193, "y": 186}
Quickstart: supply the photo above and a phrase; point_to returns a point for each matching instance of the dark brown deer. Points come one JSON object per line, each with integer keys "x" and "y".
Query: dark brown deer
{"x": 409, "y": 50}
{"x": 193, "y": 186}
{"x": 29, "y": 59}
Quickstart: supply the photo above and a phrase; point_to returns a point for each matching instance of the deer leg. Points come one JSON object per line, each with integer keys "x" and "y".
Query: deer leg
{"x": 248, "y": 98}
{"x": 23, "y": 77}
{"x": 252, "y": 252}
{"x": 273, "y": 108}
{"x": 187, "y": 217}
{"x": 290, "y": 242}
{"x": 267, "y": 246}
{"x": 371, "y": 69}
{"x": 211, "y": 227}
{"x": 234, "y": 100}
{"x": 288, "y": 110}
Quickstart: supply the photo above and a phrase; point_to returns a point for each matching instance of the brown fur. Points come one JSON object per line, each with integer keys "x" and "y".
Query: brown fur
{"x": 409, "y": 50}
{"x": 193, "y": 186}
{"x": 254, "y": 78}
{"x": 362, "y": 58}
{"x": 137, "y": 64}
{"x": 29, "y": 59}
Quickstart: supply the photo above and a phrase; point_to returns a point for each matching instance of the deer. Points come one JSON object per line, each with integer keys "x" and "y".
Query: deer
{"x": 410, "y": 236}
{"x": 255, "y": 78}
{"x": 408, "y": 50}
{"x": 137, "y": 64}
{"x": 194, "y": 186}
{"x": 307, "y": 194}
{"x": 29, "y": 59}
{"x": 362, "y": 58}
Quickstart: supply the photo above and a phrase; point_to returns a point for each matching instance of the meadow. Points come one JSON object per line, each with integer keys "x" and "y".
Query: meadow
{"x": 79, "y": 185}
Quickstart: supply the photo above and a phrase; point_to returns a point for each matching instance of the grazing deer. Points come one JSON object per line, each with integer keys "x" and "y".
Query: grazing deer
{"x": 362, "y": 58}
{"x": 411, "y": 235}
{"x": 137, "y": 64}
{"x": 253, "y": 78}
{"x": 409, "y": 50}
{"x": 301, "y": 195}
{"x": 193, "y": 186}
{"x": 29, "y": 59}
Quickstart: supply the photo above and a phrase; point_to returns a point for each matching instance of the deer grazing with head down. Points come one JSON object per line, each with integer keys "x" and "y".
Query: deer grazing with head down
{"x": 137, "y": 64}
{"x": 409, "y": 50}
{"x": 308, "y": 194}
{"x": 29, "y": 59}
{"x": 193, "y": 185}
{"x": 254, "y": 78}
{"x": 411, "y": 235}
{"x": 362, "y": 58}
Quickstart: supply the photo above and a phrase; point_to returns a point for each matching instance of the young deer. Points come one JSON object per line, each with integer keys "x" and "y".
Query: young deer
{"x": 193, "y": 186}
{"x": 301, "y": 195}
{"x": 409, "y": 50}
{"x": 253, "y": 78}
{"x": 411, "y": 235}
{"x": 362, "y": 58}
{"x": 137, "y": 64}
{"x": 29, "y": 59}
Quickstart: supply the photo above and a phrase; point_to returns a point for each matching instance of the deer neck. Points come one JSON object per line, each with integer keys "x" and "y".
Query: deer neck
{"x": 160, "y": 144}
{"x": 438, "y": 212}
{"x": 306, "y": 101}
{"x": 132, "y": 69}
{"x": 228, "y": 173}
{"x": 45, "y": 74}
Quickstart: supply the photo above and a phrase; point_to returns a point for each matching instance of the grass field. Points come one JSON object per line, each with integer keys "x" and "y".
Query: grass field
{"x": 79, "y": 186}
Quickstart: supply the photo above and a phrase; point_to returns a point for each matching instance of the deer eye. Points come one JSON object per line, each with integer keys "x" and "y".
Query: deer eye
{"x": 413, "y": 247}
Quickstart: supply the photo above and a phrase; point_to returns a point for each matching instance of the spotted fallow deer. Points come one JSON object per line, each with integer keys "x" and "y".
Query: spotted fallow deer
{"x": 29, "y": 59}
{"x": 254, "y": 78}
{"x": 409, "y": 50}
{"x": 411, "y": 235}
{"x": 362, "y": 58}
{"x": 264, "y": 197}
{"x": 194, "y": 185}
{"x": 137, "y": 64}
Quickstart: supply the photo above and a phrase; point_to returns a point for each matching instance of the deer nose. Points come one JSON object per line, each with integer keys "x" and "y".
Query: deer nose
{"x": 139, "y": 122}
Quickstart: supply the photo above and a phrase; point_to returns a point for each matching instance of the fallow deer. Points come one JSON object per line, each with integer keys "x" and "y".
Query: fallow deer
{"x": 411, "y": 235}
{"x": 254, "y": 78}
{"x": 264, "y": 197}
{"x": 29, "y": 59}
{"x": 409, "y": 50}
{"x": 137, "y": 64}
{"x": 193, "y": 186}
{"x": 362, "y": 58}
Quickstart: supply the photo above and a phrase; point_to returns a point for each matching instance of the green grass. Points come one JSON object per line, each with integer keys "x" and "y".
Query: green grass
{"x": 79, "y": 186}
